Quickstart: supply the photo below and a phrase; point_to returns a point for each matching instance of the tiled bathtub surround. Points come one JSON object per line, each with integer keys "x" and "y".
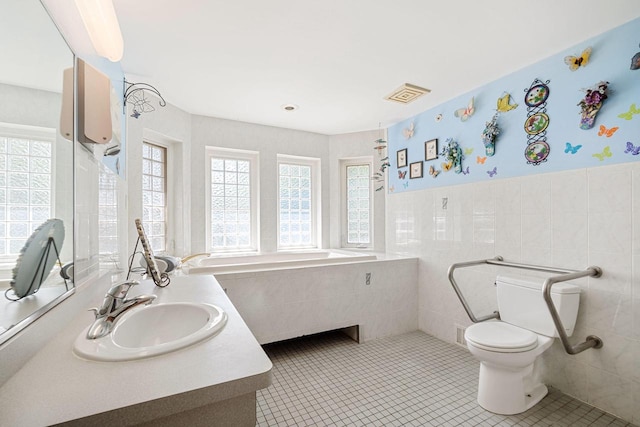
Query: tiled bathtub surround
{"x": 283, "y": 304}
{"x": 571, "y": 219}
{"x": 404, "y": 380}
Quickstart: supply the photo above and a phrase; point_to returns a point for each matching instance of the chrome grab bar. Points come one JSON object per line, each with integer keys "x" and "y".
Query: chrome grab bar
{"x": 467, "y": 308}
{"x": 592, "y": 341}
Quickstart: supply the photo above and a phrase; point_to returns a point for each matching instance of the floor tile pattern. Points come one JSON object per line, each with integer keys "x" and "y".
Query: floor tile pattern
{"x": 407, "y": 380}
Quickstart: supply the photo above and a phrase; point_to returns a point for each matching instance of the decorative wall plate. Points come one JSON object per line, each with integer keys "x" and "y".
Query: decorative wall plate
{"x": 536, "y": 123}
{"x": 536, "y": 95}
{"x": 537, "y": 152}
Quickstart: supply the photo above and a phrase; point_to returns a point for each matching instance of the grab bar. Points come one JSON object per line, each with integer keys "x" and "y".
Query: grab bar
{"x": 592, "y": 341}
{"x": 465, "y": 304}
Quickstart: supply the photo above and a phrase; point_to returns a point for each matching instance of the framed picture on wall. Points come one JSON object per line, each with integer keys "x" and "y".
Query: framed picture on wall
{"x": 415, "y": 170}
{"x": 401, "y": 158}
{"x": 431, "y": 149}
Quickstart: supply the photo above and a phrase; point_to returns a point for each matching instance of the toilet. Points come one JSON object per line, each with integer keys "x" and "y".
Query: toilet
{"x": 507, "y": 348}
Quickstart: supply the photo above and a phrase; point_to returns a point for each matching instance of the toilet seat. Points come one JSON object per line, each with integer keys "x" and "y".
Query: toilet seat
{"x": 501, "y": 337}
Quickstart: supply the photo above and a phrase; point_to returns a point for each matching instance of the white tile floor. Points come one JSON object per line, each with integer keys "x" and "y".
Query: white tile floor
{"x": 406, "y": 380}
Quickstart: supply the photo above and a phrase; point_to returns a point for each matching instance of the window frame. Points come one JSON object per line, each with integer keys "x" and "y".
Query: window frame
{"x": 165, "y": 164}
{"x": 11, "y": 130}
{"x": 344, "y": 220}
{"x": 253, "y": 158}
{"x": 316, "y": 200}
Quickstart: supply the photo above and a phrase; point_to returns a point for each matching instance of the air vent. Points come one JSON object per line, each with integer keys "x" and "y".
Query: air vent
{"x": 460, "y": 336}
{"x": 407, "y": 93}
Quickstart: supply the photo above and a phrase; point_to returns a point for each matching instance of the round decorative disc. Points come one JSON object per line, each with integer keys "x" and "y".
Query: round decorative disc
{"x": 536, "y": 95}
{"x": 537, "y": 152}
{"x": 31, "y": 268}
{"x": 536, "y": 123}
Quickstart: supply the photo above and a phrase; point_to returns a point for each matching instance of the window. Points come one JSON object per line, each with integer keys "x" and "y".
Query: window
{"x": 107, "y": 213}
{"x": 357, "y": 199}
{"x": 26, "y": 189}
{"x": 298, "y": 190}
{"x": 233, "y": 206}
{"x": 154, "y": 195}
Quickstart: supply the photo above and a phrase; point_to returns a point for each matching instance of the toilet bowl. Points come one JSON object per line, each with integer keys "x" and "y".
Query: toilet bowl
{"x": 507, "y": 354}
{"x": 508, "y": 348}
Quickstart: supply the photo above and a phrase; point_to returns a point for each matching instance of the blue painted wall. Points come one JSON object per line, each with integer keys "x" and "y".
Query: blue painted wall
{"x": 610, "y": 61}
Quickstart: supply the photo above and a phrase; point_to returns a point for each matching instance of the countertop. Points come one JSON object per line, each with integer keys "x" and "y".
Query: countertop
{"x": 56, "y": 386}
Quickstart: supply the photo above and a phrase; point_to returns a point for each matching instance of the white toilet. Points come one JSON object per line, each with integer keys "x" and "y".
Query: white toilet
{"x": 507, "y": 348}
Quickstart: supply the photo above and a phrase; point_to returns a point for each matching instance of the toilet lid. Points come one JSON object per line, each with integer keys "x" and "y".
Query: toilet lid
{"x": 501, "y": 337}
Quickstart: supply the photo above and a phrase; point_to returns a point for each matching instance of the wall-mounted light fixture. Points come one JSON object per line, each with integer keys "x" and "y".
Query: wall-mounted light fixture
{"x": 100, "y": 19}
{"x": 136, "y": 95}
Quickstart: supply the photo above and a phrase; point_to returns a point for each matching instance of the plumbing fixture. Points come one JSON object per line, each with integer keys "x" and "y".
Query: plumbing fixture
{"x": 114, "y": 305}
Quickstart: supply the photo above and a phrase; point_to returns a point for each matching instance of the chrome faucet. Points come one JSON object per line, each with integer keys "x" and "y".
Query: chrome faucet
{"x": 113, "y": 306}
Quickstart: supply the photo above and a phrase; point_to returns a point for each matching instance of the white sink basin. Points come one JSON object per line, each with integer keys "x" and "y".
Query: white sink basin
{"x": 153, "y": 330}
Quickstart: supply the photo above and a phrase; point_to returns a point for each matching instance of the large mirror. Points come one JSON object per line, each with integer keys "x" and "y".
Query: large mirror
{"x": 36, "y": 165}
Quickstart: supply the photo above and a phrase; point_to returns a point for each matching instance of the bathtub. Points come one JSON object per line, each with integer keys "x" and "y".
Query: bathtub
{"x": 274, "y": 261}
{"x": 286, "y": 295}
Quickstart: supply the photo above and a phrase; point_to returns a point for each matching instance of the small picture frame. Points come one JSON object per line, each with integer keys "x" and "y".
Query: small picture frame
{"x": 431, "y": 149}
{"x": 415, "y": 170}
{"x": 401, "y": 158}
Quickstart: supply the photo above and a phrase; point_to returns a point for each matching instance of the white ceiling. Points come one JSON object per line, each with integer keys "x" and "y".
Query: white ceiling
{"x": 337, "y": 59}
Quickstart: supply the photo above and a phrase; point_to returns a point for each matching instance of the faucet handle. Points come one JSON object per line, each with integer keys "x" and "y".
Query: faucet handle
{"x": 120, "y": 290}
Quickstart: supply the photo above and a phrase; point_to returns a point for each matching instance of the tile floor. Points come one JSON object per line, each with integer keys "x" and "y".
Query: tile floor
{"x": 407, "y": 380}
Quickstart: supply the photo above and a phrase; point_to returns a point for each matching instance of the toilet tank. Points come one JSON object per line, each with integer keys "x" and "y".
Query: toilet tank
{"x": 522, "y": 304}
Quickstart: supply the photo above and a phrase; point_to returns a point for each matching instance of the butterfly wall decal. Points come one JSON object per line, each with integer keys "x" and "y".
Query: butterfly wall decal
{"x": 605, "y": 153}
{"x": 408, "y": 132}
{"x": 575, "y": 62}
{"x": 465, "y": 171}
{"x": 504, "y": 104}
{"x": 493, "y": 172}
{"x": 468, "y": 151}
{"x": 406, "y": 184}
{"x": 392, "y": 189}
{"x": 629, "y": 114}
{"x": 607, "y": 132}
{"x": 465, "y": 113}
{"x": 481, "y": 160}
{"x": 632, "y": 149}
{"x": 446, "y": 166}
{"x": 433, "y": 172}
{"x": 401, "y": 174}
{"x": 572, "y": 149}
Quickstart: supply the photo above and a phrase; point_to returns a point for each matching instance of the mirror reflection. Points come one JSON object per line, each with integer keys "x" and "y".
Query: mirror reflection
{"x": 36, "y": 164}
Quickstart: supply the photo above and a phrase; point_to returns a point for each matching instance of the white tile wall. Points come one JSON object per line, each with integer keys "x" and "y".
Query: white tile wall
{"x": 571, "y": 219}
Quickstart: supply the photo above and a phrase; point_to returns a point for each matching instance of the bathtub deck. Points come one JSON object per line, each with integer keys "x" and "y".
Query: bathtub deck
{"x": 412, "y": 379}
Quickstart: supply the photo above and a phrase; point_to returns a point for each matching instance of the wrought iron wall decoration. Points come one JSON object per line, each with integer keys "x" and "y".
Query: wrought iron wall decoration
{"x": 378, "y": 176}
{"x": 535, "y": 126}
{"x": 136, "y": 94}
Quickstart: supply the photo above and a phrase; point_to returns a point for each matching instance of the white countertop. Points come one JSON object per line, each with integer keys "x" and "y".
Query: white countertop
{"x": 56, "y": 386}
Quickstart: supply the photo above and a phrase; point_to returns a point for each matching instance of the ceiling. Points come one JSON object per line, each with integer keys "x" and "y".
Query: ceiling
{"x": 338, "y": 59}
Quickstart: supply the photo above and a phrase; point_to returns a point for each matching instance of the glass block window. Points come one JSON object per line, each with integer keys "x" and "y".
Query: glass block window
{"x": 107, "y": 214}
{"x": 358, "y": 189}
{"x": 26, "y": 190}
{"x": 154, "y": 195}
{"x": 297, "y": 203}
{"x": 233, "y": 203}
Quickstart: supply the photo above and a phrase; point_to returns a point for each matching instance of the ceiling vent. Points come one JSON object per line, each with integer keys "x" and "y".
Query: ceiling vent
{"x": 406, "y": 93}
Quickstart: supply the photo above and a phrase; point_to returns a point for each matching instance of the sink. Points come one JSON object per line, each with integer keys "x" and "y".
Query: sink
{"x": 153, "y": 330}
